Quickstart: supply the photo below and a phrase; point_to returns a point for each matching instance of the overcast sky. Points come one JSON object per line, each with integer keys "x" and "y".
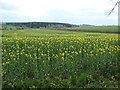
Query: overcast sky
{"x": 68, "y": 11}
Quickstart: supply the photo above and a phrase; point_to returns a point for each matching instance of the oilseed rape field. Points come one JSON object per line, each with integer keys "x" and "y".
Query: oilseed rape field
{"x": 59, "y": 59}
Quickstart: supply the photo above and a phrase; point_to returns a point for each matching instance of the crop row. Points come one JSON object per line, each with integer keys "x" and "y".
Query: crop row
{"x": 60, "y": 62}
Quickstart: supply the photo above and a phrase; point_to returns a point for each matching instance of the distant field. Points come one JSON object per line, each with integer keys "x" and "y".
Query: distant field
{"x": 48, "y": 33}
{"x": 59, "y": 59}
{"x": 101, "y": 29}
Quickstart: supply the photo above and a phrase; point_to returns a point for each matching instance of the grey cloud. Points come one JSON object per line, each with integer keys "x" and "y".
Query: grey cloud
{"x": 59, "y": 15}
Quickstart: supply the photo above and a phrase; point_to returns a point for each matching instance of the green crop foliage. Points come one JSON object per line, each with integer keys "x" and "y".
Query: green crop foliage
{"x": 59, "y": 59}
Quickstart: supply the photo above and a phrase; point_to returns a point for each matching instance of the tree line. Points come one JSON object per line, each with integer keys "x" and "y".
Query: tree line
{"x": 22, "y": 25}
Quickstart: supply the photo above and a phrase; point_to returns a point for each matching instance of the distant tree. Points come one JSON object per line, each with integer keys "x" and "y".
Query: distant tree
{"x": 10, "y": 28}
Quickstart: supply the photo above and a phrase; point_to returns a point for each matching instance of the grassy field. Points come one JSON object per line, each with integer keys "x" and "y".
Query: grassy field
{"x": 59, "y": 59}
{"x": 100, "y": 29}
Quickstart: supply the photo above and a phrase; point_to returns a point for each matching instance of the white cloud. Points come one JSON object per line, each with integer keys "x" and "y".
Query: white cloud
{"x": 59, "y": 10}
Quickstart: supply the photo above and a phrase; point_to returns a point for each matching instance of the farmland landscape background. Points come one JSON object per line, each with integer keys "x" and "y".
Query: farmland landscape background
{"x": 59, "y": 44}
{"x": 55, "y": 58}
